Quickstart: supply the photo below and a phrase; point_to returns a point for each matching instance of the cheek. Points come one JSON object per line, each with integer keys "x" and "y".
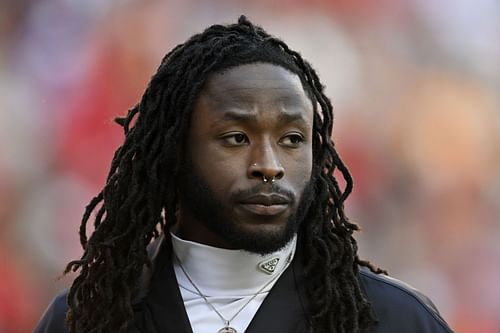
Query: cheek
{"x": 220, "y": 169}
{"x": 299, "y": 171}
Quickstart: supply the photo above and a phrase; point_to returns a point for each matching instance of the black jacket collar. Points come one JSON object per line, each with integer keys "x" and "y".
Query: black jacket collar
{"x": 396, "y": 306}
{"x": 161, "y": 308}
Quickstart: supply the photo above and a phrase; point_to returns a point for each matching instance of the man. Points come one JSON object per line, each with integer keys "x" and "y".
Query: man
{"x": 221, "y": 212}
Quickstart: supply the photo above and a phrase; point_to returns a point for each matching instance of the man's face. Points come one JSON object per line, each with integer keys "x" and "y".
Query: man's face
{"x": 250, "y": 123}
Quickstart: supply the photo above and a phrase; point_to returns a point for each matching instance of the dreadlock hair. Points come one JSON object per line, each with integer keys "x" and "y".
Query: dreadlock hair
{"x": 139, "y": 197}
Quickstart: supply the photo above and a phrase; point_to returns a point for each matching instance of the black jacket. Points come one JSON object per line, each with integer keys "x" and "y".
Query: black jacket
{"x": 397, "y": 307}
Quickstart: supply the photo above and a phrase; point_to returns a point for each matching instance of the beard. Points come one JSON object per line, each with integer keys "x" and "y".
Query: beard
{"x": 197, "y": 197}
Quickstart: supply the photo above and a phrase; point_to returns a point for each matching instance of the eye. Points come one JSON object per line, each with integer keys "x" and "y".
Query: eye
{"x": 292, "y": 140}
{"x": 235, "y": 139}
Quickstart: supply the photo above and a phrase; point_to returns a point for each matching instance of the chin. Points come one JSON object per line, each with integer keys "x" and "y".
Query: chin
{"x": 262, "y": 238}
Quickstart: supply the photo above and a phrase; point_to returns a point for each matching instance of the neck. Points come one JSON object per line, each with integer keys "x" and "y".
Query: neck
{"x": 221, "y": 271}
{"x": 190, "y": 229}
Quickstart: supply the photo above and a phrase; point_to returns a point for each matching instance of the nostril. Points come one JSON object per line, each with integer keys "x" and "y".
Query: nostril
{"x": 257, "y": 174}
{"x": 257, "y": 171}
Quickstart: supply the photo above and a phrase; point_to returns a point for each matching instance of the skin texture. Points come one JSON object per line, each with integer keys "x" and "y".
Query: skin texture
{"x": 249, "y": 122}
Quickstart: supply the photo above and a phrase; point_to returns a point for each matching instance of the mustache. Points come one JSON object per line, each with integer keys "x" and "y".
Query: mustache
{"x": 272, "y": 189}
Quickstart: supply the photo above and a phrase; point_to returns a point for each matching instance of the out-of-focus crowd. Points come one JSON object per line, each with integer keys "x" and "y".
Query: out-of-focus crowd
{"x": 415, "y": 85}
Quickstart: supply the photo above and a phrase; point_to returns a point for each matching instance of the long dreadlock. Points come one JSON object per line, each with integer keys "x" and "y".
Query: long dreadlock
{"x": 139, "y": 197}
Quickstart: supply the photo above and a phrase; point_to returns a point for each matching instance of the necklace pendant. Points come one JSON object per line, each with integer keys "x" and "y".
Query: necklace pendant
{"x": 227, "y": 329}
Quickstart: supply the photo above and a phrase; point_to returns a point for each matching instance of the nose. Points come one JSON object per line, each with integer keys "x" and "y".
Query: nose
{"x": 265, "y": 164}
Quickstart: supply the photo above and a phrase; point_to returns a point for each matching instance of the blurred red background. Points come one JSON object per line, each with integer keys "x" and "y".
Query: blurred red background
{"x": 415, "y": 87}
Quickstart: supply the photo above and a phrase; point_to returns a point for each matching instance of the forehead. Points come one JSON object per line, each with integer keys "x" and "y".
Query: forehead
{"x": 256, "y": 83}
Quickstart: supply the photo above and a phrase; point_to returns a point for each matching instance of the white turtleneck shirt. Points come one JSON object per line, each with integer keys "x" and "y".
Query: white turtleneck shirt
{"x": 229, "y": 279}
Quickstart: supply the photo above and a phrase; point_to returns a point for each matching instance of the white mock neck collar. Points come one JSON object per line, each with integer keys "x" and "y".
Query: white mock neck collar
{"x": 221, "y": 272}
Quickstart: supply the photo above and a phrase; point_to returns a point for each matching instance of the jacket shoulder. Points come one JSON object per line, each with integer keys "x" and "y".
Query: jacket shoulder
{"x": 398, "y": 307}
{"x": 54, "y": 316}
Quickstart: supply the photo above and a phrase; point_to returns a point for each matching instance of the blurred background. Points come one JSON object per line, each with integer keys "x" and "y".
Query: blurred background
{"x": 415, "y": 85}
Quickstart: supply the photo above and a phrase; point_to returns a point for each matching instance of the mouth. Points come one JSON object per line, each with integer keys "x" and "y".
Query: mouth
{"x": 265, "y": 204}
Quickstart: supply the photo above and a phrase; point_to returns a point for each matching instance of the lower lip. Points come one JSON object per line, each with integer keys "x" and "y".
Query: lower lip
{"x": 259, "y": 209}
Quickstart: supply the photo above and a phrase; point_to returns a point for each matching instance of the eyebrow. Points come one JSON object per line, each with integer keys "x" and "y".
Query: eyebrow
{"x": 250, "y": 117}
